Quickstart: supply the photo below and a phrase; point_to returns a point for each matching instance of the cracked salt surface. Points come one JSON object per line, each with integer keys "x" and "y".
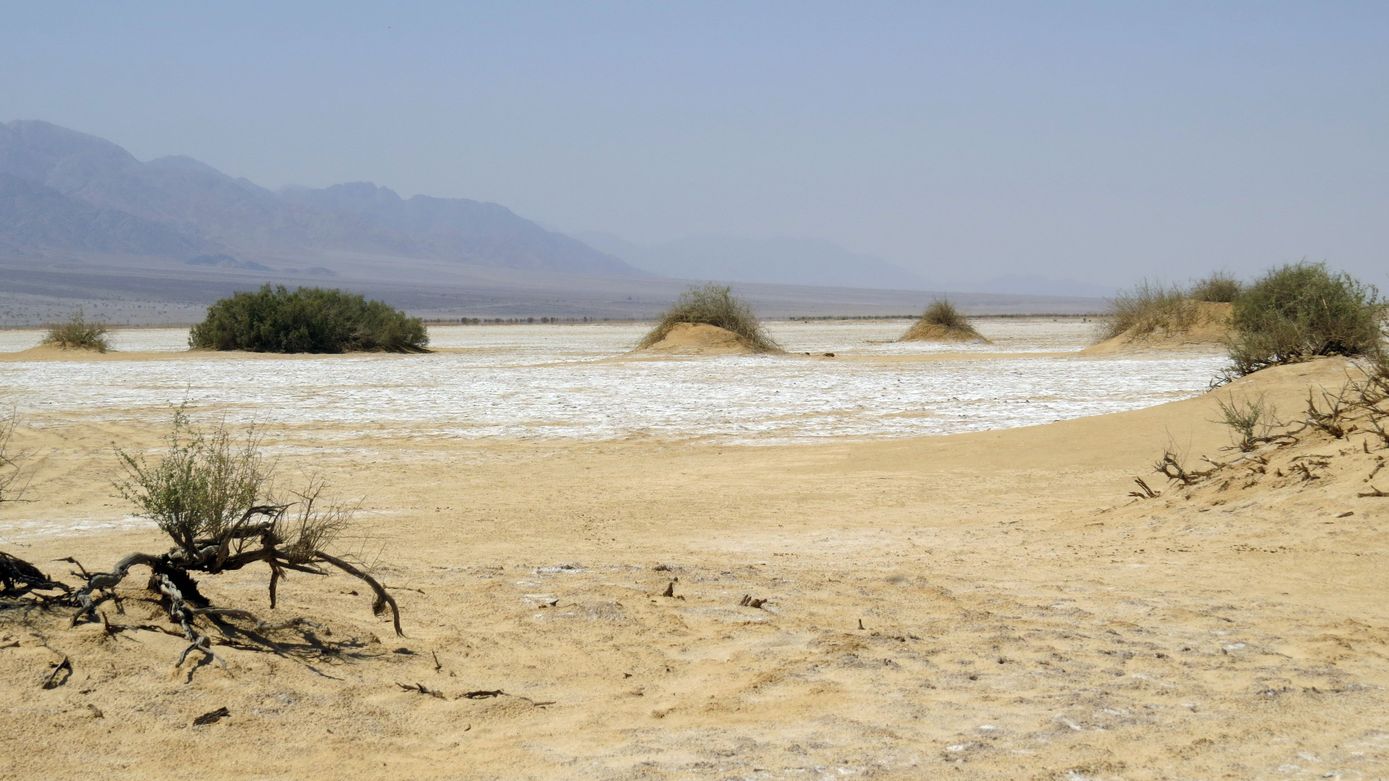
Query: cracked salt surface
{"x": 552, "y": 382}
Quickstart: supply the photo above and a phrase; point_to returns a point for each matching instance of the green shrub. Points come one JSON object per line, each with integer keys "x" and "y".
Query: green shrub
{"x": 202, "y": 486}
{"x": 306, "y": 320}
{"x": 713, "y": 305}
{"x": 1301, "y": 311}
{"x": 1150, "y": 308}
{"x": 1219, "y": 288}
{"x": 78, "y": 334}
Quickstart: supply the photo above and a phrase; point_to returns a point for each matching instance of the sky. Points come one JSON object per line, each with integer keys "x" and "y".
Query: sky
{"x": 1102, "y": 142}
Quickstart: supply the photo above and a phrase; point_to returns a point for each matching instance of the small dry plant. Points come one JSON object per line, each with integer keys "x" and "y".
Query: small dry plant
{"x": 1251, "y": 420}
{"x": 1150, "y": 308}
{"x": 78, "y": 333}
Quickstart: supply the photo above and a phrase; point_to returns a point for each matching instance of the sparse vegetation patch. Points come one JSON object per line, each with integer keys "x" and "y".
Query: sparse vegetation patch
{"x": 306, "y": 320}
{"x": 1148, "y": 309}
{"x": 713, "y": 305}
{"x": 79, "y": 333}
{"x": 942, "y": 321}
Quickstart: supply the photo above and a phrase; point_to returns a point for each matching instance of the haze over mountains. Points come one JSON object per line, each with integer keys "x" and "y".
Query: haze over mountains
{"x": 83, "y": 219}
{"x": 767, "y": 260}
{"x": 65, "y": 190}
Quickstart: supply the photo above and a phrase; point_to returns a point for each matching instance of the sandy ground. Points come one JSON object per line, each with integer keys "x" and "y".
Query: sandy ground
{"x": 987, "y": 605}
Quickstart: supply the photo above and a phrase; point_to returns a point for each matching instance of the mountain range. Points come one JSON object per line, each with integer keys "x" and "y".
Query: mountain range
{"x": 83, "y": 223}
{"x": 64, "y": 191}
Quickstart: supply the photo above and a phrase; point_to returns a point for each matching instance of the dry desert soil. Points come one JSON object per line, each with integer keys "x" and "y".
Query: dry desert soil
{"x": 983, "y": 605}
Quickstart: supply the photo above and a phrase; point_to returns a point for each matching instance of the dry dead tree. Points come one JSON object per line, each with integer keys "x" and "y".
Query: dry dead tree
{"x": 211, "y": 495}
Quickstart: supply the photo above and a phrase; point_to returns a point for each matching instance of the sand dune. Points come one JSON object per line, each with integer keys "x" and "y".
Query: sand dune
{"x": 1210, "y": 326}
{"x": 700, "y": 339}
{"x": 989, "y": 605}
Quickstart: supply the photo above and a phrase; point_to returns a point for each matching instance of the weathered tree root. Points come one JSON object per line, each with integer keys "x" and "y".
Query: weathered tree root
{"x": 171, "y": 576}
{"x": 19, "y": 578}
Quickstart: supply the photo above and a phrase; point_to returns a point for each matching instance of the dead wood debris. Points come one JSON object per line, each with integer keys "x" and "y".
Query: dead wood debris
{"x": 1356, "y": 408}
{"x": 212, "y": 717}
{"x": 59, "y": 675}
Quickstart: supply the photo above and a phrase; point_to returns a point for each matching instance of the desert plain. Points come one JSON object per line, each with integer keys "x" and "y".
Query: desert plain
{"x": 888, "y": 562}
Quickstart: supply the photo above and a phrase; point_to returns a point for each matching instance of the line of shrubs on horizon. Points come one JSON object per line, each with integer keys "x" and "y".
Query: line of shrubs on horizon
{"x": 1293, "y": 313}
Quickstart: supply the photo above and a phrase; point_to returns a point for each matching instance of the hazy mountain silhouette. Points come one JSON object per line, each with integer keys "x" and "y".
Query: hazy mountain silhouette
{"x": 66, "y": 190}
{"x": 785, "y": 261}
{"x": 33, "y": 216}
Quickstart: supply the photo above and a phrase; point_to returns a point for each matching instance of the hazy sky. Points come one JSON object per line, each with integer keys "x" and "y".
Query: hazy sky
{"x": 1100, "y": 141}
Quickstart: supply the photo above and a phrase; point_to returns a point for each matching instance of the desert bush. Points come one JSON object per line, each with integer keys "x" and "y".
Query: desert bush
{"x": 713, "y": 305}
{"x": 77, "y": 333}
{"x": 942, "y": 314}
{"x": 1220, "y": 288}
{"x": 1300, "y": 311}
{"x": 306, "y": 320}
{"x": 213, "y": 493}
{"x": 202, "y": 485}
{"x": 1149, "y": 308}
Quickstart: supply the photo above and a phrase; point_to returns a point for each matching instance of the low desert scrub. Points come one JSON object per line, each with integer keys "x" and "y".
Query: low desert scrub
{"x": 1301, "y": 311}
{"x": 943, "y": 316}
{"x": 1251, "y": 420}
{"x": 1150, "y": 308}
{"x": 9, "y": 466}
{"x": 1355, "y": 417}
{"x": 1218, "y": 288}
{"x": 713, "y": 305}
{"x": 78, "y": 333}
{"x": 306, "y": 320}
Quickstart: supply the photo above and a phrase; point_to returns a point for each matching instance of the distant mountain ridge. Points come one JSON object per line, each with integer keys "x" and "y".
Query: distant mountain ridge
{"x": 61, "y": 190}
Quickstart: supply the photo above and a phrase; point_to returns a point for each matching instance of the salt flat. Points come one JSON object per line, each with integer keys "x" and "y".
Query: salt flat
{"x": 527, "y": 382}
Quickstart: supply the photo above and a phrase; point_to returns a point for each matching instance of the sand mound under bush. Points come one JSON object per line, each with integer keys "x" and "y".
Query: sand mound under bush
{"x": 700, "y": 339}
{"x": 1210, "y": 326}
{"x": 935, "y": 332}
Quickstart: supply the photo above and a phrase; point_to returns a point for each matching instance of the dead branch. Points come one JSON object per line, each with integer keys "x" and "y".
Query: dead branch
{"x": 18, "y": 578}
{"x": 59, "y": 675}
{"x": 1172, "y": 469}
{"x": 1144, "y": 490}
{"x": 212, "y": 717}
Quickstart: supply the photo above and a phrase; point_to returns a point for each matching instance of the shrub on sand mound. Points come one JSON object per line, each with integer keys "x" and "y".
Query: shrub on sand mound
{"x": 1148, "y": 309}
{"x": 1301, "y": 311}
{"x": 77, "y": 333}
{"x": 306, "y": 320}
{"x": 713, "y": 305}
{"x": 942, "y": 322}
{"x": 1218, "y": 288}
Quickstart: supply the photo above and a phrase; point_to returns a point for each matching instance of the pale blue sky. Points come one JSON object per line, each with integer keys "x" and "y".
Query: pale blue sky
{"x": 1100, "y": 141}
